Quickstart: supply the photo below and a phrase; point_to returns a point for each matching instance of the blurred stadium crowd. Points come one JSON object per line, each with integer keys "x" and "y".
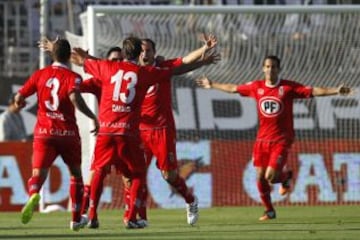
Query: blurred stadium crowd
{"x": 19, "y": 24}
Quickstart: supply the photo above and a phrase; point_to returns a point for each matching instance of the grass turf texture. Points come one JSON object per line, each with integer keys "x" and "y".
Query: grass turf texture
{"x": 326, "y": 222}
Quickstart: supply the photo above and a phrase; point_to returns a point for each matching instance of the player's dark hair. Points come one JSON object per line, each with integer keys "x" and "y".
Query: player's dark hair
{"x": 152, "y": 43}
{"x": 132, "y": 48}
{"x": 111, "y": 50}
{"x": 273, "y": 58}
{"x": 61, "y": 51}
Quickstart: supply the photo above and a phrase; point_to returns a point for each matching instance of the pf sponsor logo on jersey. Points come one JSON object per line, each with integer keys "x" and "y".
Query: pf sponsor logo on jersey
{"x": 270, "y": 106}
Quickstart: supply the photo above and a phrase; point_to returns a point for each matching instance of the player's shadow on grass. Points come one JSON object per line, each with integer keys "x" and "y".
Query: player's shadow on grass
{"x": 129, "y": 234}
{"x": 74, "y": 235}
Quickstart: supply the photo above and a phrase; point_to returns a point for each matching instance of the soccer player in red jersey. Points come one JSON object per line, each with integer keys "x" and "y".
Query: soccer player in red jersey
{"x": 124, "y": 85}
{"x": 274, "y": 97}
{"x": 56, "y": 132}
{"x": 93, "y": 85}
{"x": 157, "y": 127}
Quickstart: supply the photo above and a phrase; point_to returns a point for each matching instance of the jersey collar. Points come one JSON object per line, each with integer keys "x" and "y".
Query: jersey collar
{"x": 275, "y": 85}
{"x": 59, "y": 64}
{"x": 131, "y": 61}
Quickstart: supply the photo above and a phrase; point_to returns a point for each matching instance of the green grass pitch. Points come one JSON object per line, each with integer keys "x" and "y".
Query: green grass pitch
{"x": 326, "y": 222}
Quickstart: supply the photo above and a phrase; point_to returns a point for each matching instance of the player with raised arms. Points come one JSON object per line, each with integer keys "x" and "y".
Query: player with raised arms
{"x": 124, "y": 85}
{"x": 157, "y": 125}
{"x": 274, "y": 97}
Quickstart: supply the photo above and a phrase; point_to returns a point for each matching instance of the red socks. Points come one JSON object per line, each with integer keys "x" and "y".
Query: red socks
{"x": 34, "y": 184}
{"x": 95, "y": 193}
{"x": 136, "y": 188}
{"x": 142, "y": 203}
{"x": 142, "y": 209}
{"x": 182, "y": 189}
{"x": 126, "y": 203}
{"x": 76, "y": 193}
{"x": 265, "y": 190}
{"x": 283, "y": 176}
{"x": 85, "y": 200}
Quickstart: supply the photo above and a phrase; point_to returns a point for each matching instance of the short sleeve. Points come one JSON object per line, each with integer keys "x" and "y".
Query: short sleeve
{"x": 301, "y": 91}
{"x": 75, "y": 83}
{"x": 247, "y": 89}
{"x": 93, "y": 67}
{"x": 171, "y": 63}
{"x": 29, "y": 87}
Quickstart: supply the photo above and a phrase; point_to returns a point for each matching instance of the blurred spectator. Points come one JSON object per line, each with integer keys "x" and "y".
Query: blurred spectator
{"x": 260, "y": 2}
{"x": 12, "y": 127}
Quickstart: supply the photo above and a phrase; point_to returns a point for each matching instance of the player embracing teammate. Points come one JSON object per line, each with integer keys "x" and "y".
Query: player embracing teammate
{"x": 124, "y": 85}
{"x": 157, "y": 125}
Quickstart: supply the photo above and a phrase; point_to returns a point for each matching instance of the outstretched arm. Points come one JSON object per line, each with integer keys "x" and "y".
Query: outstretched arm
{"x": 204, "y": 82}
{"x": 79, "y": 103}
{"x": 210, "y": 58}
{"x": 209, "y": 43}
{"x": 341, "y": 90}
{"x": 79, "y": 55}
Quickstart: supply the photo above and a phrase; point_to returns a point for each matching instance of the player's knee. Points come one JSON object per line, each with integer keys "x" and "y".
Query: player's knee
{"x": 260, "y": 177}
{"x": 271, "y": 175}
{"x": 260, "y": 174}
{"x": 169, "y": 176}
{"x": 270, "y": 178}
{"x": 126, "y": 182}
{"x": 40, "y": 172}
{"x": 75, "y": 172}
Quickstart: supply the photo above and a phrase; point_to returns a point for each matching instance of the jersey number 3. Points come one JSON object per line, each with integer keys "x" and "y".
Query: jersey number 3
{"x": 54, "y": 84}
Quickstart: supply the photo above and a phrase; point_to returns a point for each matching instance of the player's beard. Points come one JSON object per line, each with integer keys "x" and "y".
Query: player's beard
{"x": 146, "y": 61}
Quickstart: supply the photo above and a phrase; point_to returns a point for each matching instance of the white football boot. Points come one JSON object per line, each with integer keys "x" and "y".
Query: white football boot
{"x": 75, "y": 226}
{"x": 192, "y": 212}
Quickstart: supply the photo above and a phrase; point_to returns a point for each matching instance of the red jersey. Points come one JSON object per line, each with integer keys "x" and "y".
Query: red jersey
{"x": 124, "y": 85}
{"x": 275, "y": 107}
{"x": 156, "y": 110}
{"x": 91, "y": 85}
{"x": 56, "y": 113}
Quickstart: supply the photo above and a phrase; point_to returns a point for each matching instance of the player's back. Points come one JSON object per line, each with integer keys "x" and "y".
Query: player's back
{"x": 56, "y": 113}
{"x": 124, "y": 85}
